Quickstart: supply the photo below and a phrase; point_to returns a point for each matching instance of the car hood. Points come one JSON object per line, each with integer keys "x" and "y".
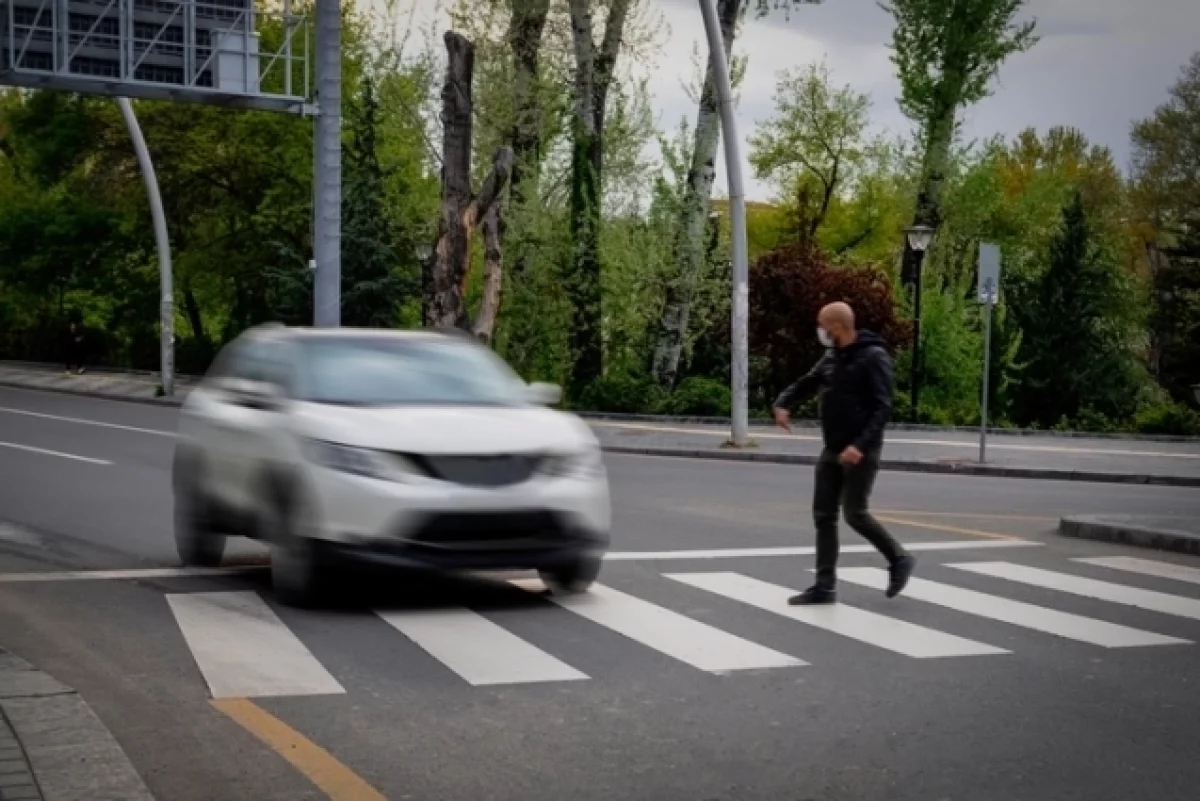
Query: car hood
{"x": 446, "y": 430}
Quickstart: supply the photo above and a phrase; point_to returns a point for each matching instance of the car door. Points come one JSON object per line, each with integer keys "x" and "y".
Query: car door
{"x": 258, "y": 429}
{"x": 228, "y": 420}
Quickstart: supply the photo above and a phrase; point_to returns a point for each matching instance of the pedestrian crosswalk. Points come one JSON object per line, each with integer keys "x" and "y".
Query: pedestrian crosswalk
{"x": 242, "y": 647}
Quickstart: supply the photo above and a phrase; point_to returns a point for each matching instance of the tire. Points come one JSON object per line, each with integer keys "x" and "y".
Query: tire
{"x": 298, "y": 564}
{"x": 574, "y": 578}
{"x": 196, "y": 541}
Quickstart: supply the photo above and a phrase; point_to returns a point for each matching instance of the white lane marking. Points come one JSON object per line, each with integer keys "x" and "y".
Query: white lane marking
{"x": 1146, "y": 567}
{"x": 83, "y": 421}
{"x": 1030, "y": 616}
{"x": 1088, "y": 588}
{"x": 60, "y": 454}
{"x": 943, "y": 443}
{"x": 690, "y": 641}
{"x": 857, "y": 624}
{"x": 19, "y": 535}
{"x": 116, "y": 575}
{"x": 477, "y": 649}
{"x": 244, "y": 650}
{"x": 808, "y": 550}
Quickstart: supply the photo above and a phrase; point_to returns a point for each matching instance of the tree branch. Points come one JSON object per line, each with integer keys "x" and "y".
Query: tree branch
{"x": 492, "y": 186}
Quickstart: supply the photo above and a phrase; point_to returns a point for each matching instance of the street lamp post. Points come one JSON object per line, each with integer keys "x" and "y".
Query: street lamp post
{"x": 424, "y": 252}
{"x": 920, "y": 237}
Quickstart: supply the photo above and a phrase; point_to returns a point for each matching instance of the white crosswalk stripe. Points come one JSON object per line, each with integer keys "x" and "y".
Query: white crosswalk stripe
{"x": 1017, "y": 613}
{"x": 690, "y": 641}
{"x": 478, "y": 650}
{"x": 857, "y": 624}
{"x": 1146, "y": 567}
{"x": 244, "y": 650}
{"x": 1088, "y": 588}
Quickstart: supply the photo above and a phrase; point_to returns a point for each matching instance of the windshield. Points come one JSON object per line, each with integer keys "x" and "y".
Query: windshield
{"x": 395, "y": 372}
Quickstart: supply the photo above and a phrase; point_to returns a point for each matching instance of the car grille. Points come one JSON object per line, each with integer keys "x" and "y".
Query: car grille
{"x": 479, "y": 471}
{"x": 466, "y": 528}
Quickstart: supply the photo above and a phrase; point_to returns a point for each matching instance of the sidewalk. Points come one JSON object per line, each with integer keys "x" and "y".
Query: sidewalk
{"x": 53, "y": 747}
{"x": 143, "y": 387}
{"x": 1028, "y": 456}
{"x": 1133, "y": 460}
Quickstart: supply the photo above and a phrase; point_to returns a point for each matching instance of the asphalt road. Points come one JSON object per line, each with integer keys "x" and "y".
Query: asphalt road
{"x": 679, "y": 686}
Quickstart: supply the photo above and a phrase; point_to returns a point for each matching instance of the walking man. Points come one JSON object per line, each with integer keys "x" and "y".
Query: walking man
{"x": 854, "y": 378}
{"x": 74, "y": 343}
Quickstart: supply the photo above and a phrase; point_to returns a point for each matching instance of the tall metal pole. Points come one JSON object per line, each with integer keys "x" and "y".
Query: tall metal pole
{"x": 166, "y": 284}
{"x": 987, "y": 374}
{"x": 915, "y": 368}
{"x": 739, "y": 373}
{"x": 327, "y": 169}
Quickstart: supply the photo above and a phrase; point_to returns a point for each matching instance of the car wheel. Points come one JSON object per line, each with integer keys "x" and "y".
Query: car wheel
{"x": 297, "y": 564}
{"x": 196, "y": 541}
{"x": 574, "y": 578}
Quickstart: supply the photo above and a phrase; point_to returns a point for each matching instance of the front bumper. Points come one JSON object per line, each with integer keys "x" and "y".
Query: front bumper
{"x": 538, "y": 524}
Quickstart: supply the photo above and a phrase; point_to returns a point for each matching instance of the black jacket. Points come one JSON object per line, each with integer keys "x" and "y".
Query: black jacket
{"x": 855, "y": 383}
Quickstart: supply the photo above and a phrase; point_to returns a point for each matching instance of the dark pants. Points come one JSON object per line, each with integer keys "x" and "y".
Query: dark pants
{"x": 849, "y": 488}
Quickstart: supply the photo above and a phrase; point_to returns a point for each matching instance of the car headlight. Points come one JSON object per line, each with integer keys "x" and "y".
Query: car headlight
{"x": 581, "y": 464}
{"x": 356, "y": 461}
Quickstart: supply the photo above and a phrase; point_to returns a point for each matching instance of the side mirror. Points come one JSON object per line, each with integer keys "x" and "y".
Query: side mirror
{"x": 253, "y": 394}
{"x": 544, "y": 394}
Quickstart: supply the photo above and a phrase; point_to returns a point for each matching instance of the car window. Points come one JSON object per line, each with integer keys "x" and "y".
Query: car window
{"x": 377, "y": 371}
{"x": 256, "y": 360}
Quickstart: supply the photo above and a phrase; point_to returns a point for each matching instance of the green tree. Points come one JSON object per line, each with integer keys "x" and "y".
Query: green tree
{"x": 1167, "y": 199}
{"x": 1079, "y": 342}
{"x": 947, "y": 52}
{"x": 373, "y": 281}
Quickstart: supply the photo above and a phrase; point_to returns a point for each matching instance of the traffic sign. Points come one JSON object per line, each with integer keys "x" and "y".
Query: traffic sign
{"x": 989, "y": 273}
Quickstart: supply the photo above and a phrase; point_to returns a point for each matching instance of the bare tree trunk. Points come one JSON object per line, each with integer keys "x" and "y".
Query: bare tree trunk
{"x": 461, "y": 211}
{"x": 493, "y": 280}
{"x": 527, "y": 25}
{"x": 594, "y": 69}
{"x": 689, "y": 236}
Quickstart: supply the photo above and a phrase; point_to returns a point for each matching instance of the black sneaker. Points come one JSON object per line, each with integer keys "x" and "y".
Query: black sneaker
{"x": 900, "y": 573}
{"x": 813, "y": 596}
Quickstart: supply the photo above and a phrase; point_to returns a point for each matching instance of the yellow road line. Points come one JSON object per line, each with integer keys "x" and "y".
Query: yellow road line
{"x": 332, "y": 777}
{"x": 970, "y": 515}
{"x": 970, "y": 532}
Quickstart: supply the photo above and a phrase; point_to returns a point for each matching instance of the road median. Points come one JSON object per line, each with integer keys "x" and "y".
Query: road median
{"x": 1175, "y": 534}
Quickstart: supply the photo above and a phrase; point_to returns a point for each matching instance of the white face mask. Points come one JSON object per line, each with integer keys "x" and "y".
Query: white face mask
{"x": 826, "y": 340}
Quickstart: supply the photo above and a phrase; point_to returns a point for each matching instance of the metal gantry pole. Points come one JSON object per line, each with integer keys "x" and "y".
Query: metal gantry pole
{"x": 327, "y": 169}
{"x": 739, "y": 372}
{"x": 166, "y": 283}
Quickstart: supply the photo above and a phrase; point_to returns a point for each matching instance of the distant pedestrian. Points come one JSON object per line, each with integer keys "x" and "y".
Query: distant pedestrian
{"x": 74, "y": 348}
{"x": 854, "y": 378}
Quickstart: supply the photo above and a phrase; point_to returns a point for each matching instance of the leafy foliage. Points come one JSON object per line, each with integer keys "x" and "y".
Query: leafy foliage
{"x": 788, "y": 287}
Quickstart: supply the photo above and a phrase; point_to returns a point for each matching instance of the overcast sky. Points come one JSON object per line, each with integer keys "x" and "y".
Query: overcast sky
{"x": 1100, "y": 65}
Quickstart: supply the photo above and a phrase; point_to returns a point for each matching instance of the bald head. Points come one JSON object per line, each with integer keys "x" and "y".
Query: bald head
{"x": 838, "y": 320}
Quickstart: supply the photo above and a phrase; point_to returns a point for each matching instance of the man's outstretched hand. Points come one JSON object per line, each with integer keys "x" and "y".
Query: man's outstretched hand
{"x": 851, "y": 456}
{"x": 783, "y": 419}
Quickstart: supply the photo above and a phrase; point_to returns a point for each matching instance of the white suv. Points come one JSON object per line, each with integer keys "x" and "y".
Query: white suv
{"x": 415, "y": 449}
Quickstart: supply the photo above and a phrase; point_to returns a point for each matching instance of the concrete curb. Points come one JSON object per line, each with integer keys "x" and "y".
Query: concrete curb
{"x": 940, "y": 468}
{"x": 70, "y": 754}
{"x": 1108, "y": 529}
{"x": 98, "y": 394}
